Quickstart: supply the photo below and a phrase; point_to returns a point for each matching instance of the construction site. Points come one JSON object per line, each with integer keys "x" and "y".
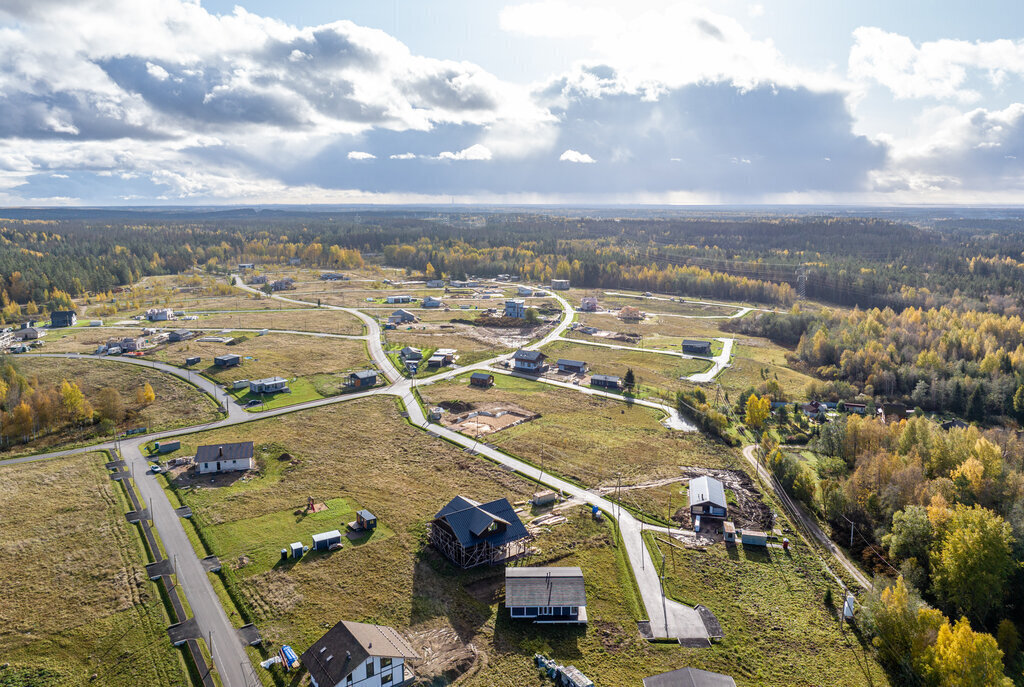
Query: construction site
{"x": 478, "y": 420}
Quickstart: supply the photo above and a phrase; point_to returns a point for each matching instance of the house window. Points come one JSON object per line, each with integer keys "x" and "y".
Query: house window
{"x": 545, "y": 610}
{"x": 385, "y": 679}
{"x": 348, "y": 680}
{"x": 518, "y": 612}
{"x": 530, "y": 610}
{"x": 369, "y": 668}
{"x": 385, "y": 662}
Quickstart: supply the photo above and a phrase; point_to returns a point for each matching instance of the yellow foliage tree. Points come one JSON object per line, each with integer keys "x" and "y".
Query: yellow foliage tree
{"x": 757, "y": 411}
{"x": 965, "y": 658}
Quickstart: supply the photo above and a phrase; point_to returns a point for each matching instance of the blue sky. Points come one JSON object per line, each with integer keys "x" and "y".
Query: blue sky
{"x": 392, "y": 101}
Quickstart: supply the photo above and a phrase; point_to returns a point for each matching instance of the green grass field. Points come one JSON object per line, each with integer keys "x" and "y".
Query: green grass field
{"x": 778, "y": 630}
{"x": 77, "y": 601}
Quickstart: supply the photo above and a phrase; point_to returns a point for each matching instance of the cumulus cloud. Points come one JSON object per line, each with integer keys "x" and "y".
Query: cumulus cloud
{"x": 361, "y": 155}
{"x": 933, "y": 69}
{"x": 571, "y": 155}
{"x": 402, "y": 156}
{"x": 473, "y": 152}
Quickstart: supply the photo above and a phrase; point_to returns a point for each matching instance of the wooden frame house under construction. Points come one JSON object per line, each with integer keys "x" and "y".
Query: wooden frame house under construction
{"x": 471, "y": 534}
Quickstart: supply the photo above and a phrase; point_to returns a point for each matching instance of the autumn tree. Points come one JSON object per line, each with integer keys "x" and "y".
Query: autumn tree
{"x": 110, "y": 404}
{"x": 144, "y": 395}
{"x": 971, "y": 562}
{"x": 965, "y": 658}
{"x": 757, "y": 411}
{"x": 903, "y": 629}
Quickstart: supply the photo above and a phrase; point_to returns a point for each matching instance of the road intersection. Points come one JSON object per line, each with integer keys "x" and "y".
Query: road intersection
{"x": 668, "y": 619}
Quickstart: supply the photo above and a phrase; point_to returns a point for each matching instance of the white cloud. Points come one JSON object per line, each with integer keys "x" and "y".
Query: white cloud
{"x": 934, "y": 69}
{"x": 360, "y": 155}
{"x": 403, "y": 156}
{"x": 571, "y": 155}
{"x": 473, "y": 152}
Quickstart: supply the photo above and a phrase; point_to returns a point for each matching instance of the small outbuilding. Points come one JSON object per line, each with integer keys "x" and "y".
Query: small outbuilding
{"x": 431, "y": 302}
{"x": 227, "y": 360}
{"x": 167, "y": 446}
{"x": 605, "y": 381}
{"x": 193, "y": 360}
{"x": 179, "y": 335}
{"x": 546, "y": 594}
{"x": 362, "y": 379}
{"x": 325, "y": 540}
{"x": 754, "y": 538}
{"x": 365, "y": 520}
{"x": 399, "y": 299}
{"x": 571, "y": 366}
{"x": 481, "y": 379}
{"x": 696, "y": 347}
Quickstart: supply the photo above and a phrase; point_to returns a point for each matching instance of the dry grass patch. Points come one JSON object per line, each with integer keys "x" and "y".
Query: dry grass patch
{"x": 76, "y": 597}
{"x": 287, "y": 355}
{"x": 307, "y": 320}
{"x": 586, "y": 438}
{"x": 656, "y": 373}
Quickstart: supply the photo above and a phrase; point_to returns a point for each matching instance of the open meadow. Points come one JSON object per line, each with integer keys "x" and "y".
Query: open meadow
{"x": 585, "y": 438}
{"x": 77, "y": 606}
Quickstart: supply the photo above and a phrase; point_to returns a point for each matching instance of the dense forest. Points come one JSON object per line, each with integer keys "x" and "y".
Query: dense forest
{"x": 966, "y": 362}
{"x": 847, "y": 261}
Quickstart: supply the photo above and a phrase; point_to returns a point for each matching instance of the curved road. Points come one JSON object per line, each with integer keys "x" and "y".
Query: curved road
{"x": 668, "y": 618}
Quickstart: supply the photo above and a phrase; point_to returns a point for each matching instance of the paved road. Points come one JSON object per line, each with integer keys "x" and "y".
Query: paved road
{"x": 229, "y": 657}
{"x": 808, "y": 523}
{"x": 669, "y": 619}
{"x": 718, "y": 363}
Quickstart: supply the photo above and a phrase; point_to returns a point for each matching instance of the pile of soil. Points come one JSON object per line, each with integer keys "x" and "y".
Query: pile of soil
{"x": 445, "y": 656}
{"x": 457, "y": 406}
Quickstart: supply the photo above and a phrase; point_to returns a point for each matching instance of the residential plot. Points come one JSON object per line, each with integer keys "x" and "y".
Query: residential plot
{"x": 778, "y": 630}
{"x": 658, "y": 305}
{"x": 585, "y": 438}
{"x": 657, "y": 373}
{"x": 652, "y": 332}
{"x": 77, "y": 607}
{"x": 306, "y": 320}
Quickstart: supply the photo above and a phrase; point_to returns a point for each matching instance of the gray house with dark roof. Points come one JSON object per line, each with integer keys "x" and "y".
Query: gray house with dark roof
{"x": 472, "y": 534}
{"x": 689, "y": 677}
{"x": 225, "y": 458}
{"x": 360, "y": 655}
{"x": 528, "y": 361}
{"x": 546, "y": 595}
{"x": 696, "y": 347}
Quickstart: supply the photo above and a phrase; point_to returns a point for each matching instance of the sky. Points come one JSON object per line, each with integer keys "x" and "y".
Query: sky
{"x": 152, "y": 102}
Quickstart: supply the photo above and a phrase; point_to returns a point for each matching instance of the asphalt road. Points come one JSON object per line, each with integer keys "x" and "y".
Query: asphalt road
{"x": 668, "y": 618}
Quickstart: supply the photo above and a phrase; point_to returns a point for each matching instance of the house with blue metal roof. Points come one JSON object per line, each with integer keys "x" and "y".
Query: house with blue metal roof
{"x": 471, "y": 534}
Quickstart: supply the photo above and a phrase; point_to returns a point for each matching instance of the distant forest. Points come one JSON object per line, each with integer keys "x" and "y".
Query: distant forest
{"x": 849, "y": 261}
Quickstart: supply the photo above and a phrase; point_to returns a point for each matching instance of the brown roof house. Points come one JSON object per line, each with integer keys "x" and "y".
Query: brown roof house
{"x": 360, "y": 655}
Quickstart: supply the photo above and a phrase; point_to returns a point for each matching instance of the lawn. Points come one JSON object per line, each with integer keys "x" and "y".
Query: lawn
{"x": 660, "y": 306}
{"x": 178, "y": 404}
{"x": 587, "y": 439}
{"x": 778, "y": 630}
{"x": 306, "y": 320}
{"x": 656, "y": 373}
{"x": 77, "y": 601}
